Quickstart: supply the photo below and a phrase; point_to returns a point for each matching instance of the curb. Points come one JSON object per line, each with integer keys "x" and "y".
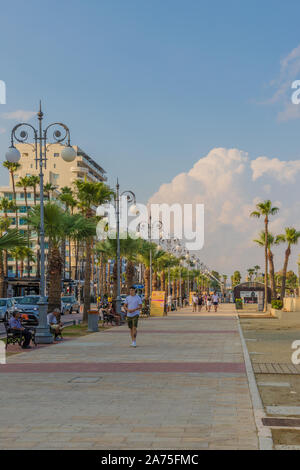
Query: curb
{"x": 264, "y": 433}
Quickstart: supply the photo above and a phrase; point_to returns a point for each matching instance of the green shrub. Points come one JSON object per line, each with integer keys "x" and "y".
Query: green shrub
{"x": 277, "y": 304}
{"x": 238, "y": 304}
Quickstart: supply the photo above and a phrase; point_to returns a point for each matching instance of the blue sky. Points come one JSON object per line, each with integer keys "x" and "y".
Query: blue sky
{"x": 148, "y": 87}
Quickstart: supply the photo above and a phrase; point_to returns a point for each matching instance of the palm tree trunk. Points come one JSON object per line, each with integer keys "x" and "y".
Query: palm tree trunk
{"x": 63, "y": 255}
{"x": 76, "y": 259}
{"x": 87, "y": 282}
{"x": 70, "y": 258}
{"x": 147, "y": 283}
{"x": 266, "y": 265}
{"x": 115, "y": 280}
{"x": 54, "y": 270}
{"x": 272, "y": 274}
{"x": 101, "y": 275}
{"x": 163, "y": 280}
{"x": 28, "y": 232}
{"x": 129, "y": 274}
{"x": 108, "y": 279}
{"x": 173, "y": 289}
{"x": 284, "y": 271}
{"x": 21, "y": 268}
{"x": 154, "y": 281}
{"x": 15, "y": 201}
{"x": 2, "y": 283}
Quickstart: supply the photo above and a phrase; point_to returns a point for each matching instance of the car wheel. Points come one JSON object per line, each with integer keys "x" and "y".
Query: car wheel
{"x": 71, "y": 311}
{"x": 6, "y": 317}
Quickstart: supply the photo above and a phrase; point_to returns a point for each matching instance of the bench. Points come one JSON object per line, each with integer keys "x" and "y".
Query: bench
{"x": 15, "y": 336}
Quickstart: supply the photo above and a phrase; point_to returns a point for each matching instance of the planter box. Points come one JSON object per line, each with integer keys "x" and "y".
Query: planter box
{"x": 276, "y": 313}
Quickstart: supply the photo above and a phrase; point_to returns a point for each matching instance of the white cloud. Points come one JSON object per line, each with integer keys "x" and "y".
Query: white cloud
{"x": 283, "y": 171}
{"x": 289, "y": 71}
{"x": 230, "y": 184}
{"x": 19, "y": 115}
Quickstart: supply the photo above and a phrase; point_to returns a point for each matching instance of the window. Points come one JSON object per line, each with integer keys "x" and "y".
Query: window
{"x": 56, "y": 155}
{"x": 8, "y": 196}
{"x": 24, "y": 154}
{"x": 54, "y": 166}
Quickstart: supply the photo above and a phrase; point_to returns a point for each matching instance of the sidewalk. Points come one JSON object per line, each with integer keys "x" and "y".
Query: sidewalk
{"x": 183, "y": 387}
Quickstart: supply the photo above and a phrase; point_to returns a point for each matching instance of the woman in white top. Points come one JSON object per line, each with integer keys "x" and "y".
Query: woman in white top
{"x": 208, "y": 302}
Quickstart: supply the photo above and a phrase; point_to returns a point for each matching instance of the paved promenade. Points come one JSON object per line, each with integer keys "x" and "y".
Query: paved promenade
{"x": 183, "y": 387}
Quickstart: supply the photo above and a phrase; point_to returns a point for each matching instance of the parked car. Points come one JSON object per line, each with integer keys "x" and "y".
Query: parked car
{"x": 6, "y": 308}
{"x": 29, "y": 309}
{"x": 69, "y": 304}
{"x": 17, "y": 299}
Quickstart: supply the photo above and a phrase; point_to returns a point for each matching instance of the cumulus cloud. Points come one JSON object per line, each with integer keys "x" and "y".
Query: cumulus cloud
{"x": 19, "y": 115}
{"x": 229, "y": 184}
{"x": 283, "y": 171}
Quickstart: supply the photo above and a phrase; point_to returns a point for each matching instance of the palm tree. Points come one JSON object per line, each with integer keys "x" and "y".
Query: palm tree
{"x": 261, "y": 242}
{"x": 8, "y": 241}
{"x": 265, "y": 209}
{"x": 257, "y": 268}
{"x": 57, "y": 225}
{"x": 48, "y": 189}
{"x": 12, "y": 168}
{"x": 25, "y": 183}
{"x": 34, "y": 181}
{"x": 90, "y": 195}
{"x": 6, "y": 206}
{"x": 291, "y": 237}
{"x": 66, "y": 197}
{"x": 236, "y": 278}
{"x": 22, "y": 252}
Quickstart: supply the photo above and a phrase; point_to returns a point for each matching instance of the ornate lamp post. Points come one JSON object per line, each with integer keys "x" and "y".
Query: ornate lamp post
{"x": 61, "y": 134}
{"x": 150, "y": 226}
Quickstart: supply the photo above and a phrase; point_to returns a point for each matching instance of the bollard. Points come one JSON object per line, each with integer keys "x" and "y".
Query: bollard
{"x": 93, "y": 320}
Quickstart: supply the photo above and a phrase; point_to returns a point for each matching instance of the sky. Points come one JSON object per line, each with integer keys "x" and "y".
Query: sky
{"x": 154, "y": 88}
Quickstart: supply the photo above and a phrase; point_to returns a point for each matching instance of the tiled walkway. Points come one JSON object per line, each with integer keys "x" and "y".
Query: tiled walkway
{"x": 183, "y": 387}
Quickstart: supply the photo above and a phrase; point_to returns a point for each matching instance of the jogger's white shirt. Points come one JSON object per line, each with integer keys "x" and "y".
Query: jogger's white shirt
{"x": 133, "y": 302}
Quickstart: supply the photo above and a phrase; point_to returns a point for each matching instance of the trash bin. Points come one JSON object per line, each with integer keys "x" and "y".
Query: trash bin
{"x": 93, "y": 320}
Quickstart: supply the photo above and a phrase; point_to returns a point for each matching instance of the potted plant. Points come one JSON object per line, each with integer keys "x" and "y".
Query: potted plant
{"x": 238, "y": 304}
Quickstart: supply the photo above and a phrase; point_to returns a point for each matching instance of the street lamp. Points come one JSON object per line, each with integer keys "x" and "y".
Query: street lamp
{"x": 130, "y": 199}
{"x": 157, "y": 224}
{"x": 61, "y": 134}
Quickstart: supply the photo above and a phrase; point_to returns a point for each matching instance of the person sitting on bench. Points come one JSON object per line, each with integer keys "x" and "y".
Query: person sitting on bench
{"x": 16, "y": 325}
{"x": 55, "y": 325}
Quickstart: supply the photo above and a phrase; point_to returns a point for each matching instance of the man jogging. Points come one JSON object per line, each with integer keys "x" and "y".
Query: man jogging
{"x": 132, "y": 306}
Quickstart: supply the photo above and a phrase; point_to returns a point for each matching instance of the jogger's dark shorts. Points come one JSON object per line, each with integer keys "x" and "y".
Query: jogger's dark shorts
{"x": 133, "y": 321}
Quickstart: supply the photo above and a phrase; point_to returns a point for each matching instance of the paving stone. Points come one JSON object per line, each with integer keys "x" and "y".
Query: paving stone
{"x": 168, "y": 393}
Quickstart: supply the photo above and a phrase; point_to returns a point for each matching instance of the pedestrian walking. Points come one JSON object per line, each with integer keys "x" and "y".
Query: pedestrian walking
{"x": 133, "y": 306}
{"x": 208, "y": 302}
{"x": 200, "y": 302}
{"x": 215, "y": 300}
{"x": 169, "y": 303}
{"x": 195, "y": 302}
